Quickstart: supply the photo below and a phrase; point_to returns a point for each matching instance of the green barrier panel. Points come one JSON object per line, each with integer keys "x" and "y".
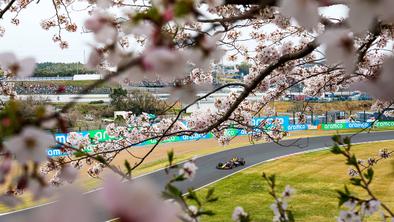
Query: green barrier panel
{"x": 231, "y": 132}
{"x": 383, "y": 124}
{"x": 100, "y": 134}
{"x": 333, "y": 126}
{"x": 172, "y": 139}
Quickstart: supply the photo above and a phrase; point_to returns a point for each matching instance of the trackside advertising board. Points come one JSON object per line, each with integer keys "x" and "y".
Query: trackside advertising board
{"x": 294, "y": 127}
{"x": 333, "y": 126}
{"x": 350, "y": 125}
{"x": 383, "y": 124}
{"x": 102, "y": 136}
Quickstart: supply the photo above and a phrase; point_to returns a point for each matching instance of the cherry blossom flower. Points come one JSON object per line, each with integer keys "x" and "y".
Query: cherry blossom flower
{"x": 371, "y": 161}
{"x": 145, "y": 29}
{"x": 288, "y": 193}
{"x": 167, "y": 63}
{"x": 103, "y": 26}
{"x": 39, "y": 190}
{"x": 15, "y": 67}
{"x": 77, "y": 140}
{"x": 363, "y": 12}
{"x": 370, "y": 207}
{"x": 224, "y": 140}
{"x": 30, "y": 144}
{"x": 104, "y": 4}
{"x": 348, "y": 216}
{"x": 199, "y": 77}
{"x": 193, "y": 209}
{"x": 188, "y": 170}
{"x": 339, "y": 48}
{"x": 352, "y": 172}
{"x": 95, "y": 58}
{"x": 238, "y": 214}
{"x": 71, "y": 206}
{"x": 50, "y": 122}
{"x": 304, "y": 11}
{"x": 2, "y": 31}
{"x": 384, "y": 153}
{"x": 137, "y": 201}
{"x": 351, "y": 204}
{"x": 63, "y": 44}
{"x": 71, "y": 27}
{"x": 15, "y": 21}
{"x": 207, "y": 53}
{"x": 381, "y": 87}
{"x": 110, "y": 129}
{"x": 5, "y": 168}
{"x": 184, "y": 93}
{"x": 68, "y": 173}
{"x": 95, "y": 170}
{"x": 47, "y": 24}
{"x": 281, "y": 21}
{"x": 277, "y": 214}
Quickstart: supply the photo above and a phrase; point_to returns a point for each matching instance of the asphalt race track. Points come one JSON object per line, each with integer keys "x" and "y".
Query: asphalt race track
{"x": 207, "y": 173}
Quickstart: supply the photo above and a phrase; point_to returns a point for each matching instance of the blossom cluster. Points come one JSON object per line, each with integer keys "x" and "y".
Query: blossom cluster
{"x": 355, "y": 54}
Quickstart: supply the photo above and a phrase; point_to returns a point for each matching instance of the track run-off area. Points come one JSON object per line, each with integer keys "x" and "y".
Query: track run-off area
{"x": 208, "y": 174}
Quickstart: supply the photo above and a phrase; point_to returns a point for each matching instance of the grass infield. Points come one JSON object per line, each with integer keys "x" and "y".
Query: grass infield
{"x": 315, "y": 176}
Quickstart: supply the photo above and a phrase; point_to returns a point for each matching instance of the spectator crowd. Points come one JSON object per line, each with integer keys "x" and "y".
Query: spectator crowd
{"x": 50, "y": 89}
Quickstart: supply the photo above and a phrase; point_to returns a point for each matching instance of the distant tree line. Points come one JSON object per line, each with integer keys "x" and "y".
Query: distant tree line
{"x": 50, "y": 69}
{"x": 136, "y": 101}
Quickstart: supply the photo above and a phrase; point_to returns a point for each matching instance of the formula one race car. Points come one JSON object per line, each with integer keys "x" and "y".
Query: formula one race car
{"x": 234, "y": 162}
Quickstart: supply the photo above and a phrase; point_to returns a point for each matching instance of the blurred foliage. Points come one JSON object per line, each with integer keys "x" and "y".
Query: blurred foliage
{"x": 244, "y": 68}
{"x": 15, "y": 114}
{"x": 50, "y": 69}
{"x": 137, "y": 101}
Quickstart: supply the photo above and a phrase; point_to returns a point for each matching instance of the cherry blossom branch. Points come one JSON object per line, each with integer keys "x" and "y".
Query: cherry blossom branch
{"x": 57, "y": 17}
{"x": 247, "y": 90}
{"x": 250, "y": 14}
{"x": 6, "y": 8}
{"x": 365, "y": 183}
{"x": 366, "y": 45}
{"x": 176, "y": 119}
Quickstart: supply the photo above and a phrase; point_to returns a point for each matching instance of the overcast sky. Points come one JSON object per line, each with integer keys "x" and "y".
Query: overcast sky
{"x": 29, "y": 39}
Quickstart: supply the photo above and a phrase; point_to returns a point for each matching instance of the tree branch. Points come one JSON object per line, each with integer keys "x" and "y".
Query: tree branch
{"x": 7, "y": 7}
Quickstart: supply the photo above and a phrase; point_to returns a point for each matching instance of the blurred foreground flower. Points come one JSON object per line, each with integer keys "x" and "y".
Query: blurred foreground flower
{"x": 15, "y": 67}
{"x": 137, "y": 201}
{"x": 30, "y": 144}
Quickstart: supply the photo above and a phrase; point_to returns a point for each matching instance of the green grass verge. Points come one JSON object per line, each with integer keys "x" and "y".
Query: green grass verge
{"x": 315, "y": 176}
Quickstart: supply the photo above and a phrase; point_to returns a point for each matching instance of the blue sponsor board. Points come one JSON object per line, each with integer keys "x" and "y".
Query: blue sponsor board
{"x": 56, "y": 153}
{"x": 283, "y": 120}
{"x": 196, "y": 136}
{"x": 358, "y": 125}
